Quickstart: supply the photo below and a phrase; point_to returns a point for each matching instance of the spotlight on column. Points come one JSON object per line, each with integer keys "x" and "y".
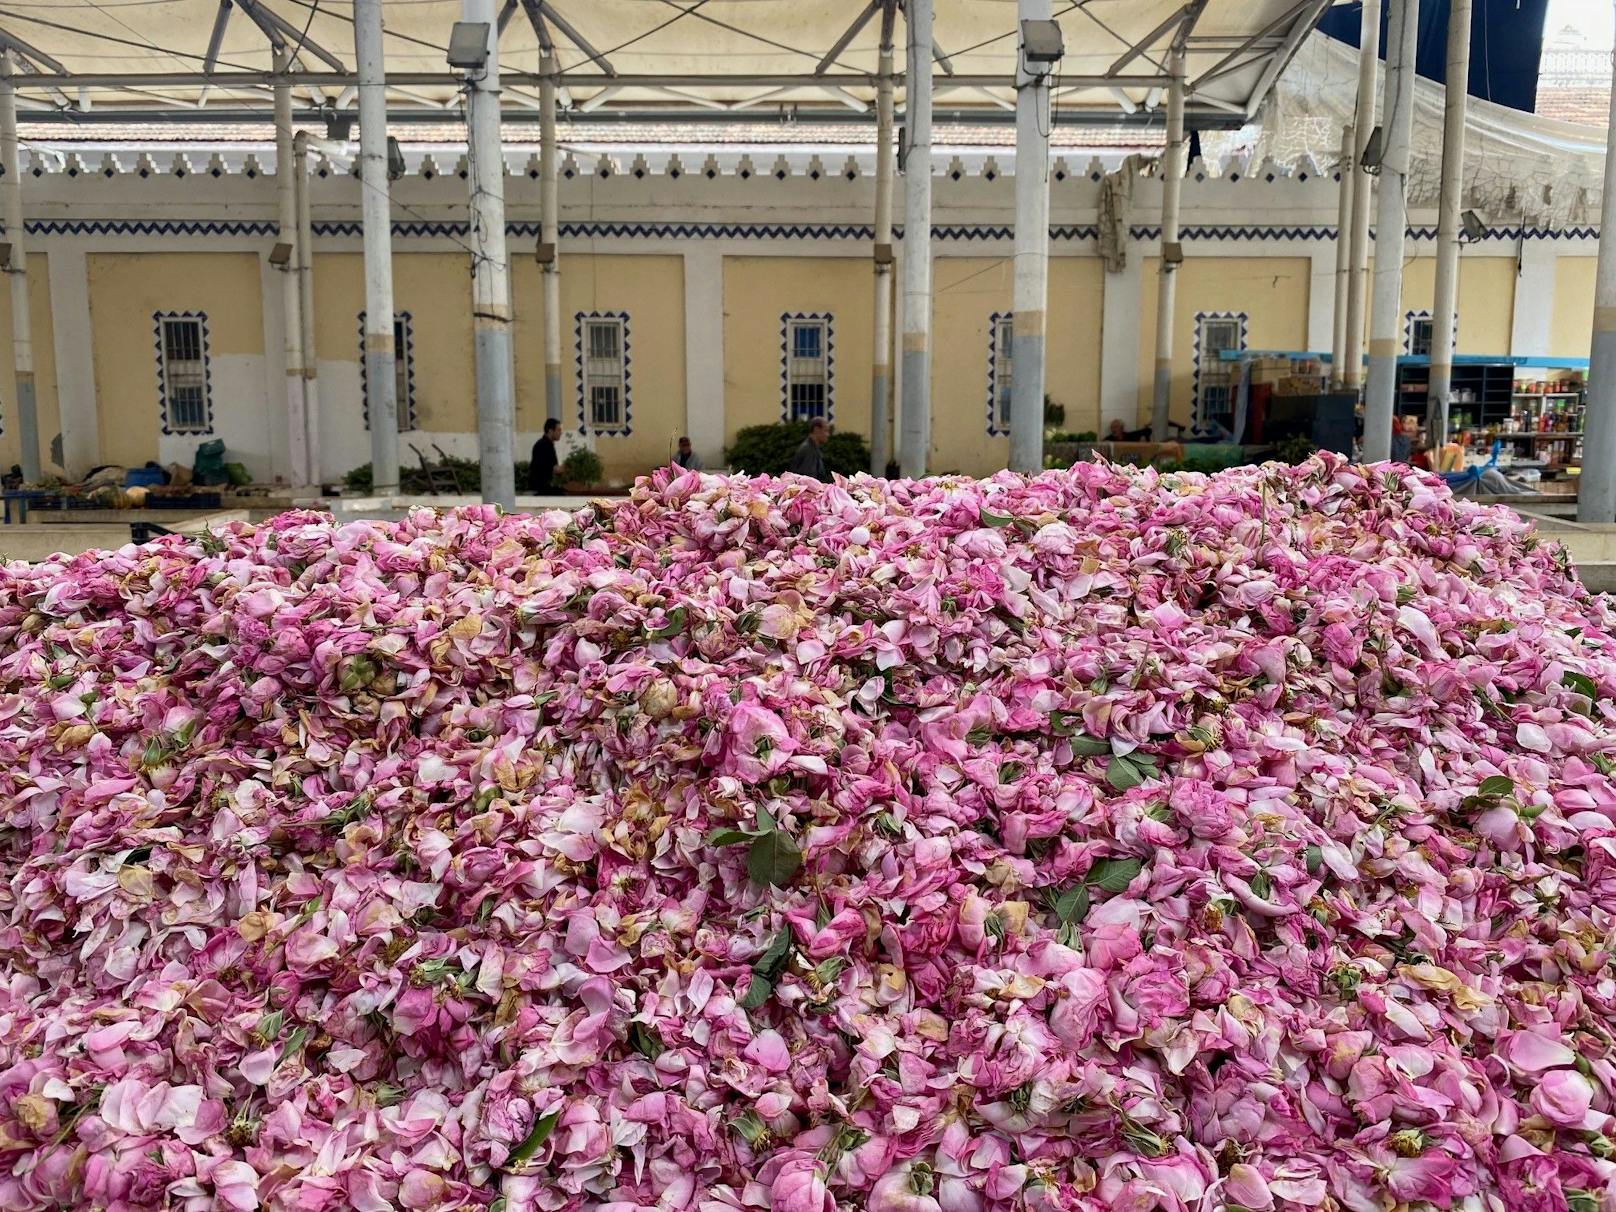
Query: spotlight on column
{"x": 1374, "y": 149}
{"x": 1041, "y": 45}
{"x": 468, "y": 46}
{"x": 1474, "y": 226}
{"x": 395, "y": 159}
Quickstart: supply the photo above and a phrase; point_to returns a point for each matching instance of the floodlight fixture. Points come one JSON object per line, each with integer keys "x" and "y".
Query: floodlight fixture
{"x": 468, "y": 46}
{"x": 1475, "y": 227}
{"x": 1041, "y": 43}
{"x": 1374, "y": 150}
{"x": 395, "y": 159}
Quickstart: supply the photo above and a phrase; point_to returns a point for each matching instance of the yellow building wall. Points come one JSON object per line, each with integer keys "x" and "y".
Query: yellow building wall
{"x": 1486, "y": 300}
{"x": 1272, "y": 291}
{"x": 126, "y": 289}
{"x": 44, "y": 349}
{"x": 757, "y": 292}
{"x": 435, "y": 289}
{"x": 969, "y": 290}
{"x": 1572, "y": 334}
{"x": 651, "y": 289}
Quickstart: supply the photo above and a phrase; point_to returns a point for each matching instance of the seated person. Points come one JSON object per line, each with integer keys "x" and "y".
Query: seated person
{"x": 1118, "y": 432}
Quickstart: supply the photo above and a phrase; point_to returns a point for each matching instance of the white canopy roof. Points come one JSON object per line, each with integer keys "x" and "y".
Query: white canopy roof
{"x": 811, "y": 59}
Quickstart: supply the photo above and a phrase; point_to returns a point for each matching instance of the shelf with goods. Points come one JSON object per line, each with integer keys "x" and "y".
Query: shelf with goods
{"x": 1483, "y": 391}
{"x": 1546, "y": 416}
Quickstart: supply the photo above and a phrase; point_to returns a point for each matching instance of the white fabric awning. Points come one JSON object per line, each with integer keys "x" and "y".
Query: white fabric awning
{"x": 808, "y": 59}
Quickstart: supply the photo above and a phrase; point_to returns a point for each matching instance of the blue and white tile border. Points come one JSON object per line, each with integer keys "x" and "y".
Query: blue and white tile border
{"x": 584, "y": 427}
{"x": 1197, "y": 426}
{"x": 162, "y": 373}
{"x": 405, "y": 350}
{"x": 993, "y": 374}
{"x": 785, "y": 362}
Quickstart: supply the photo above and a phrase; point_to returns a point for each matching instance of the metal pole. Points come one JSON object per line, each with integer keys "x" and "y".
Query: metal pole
{"x": 881, "y": 363}
{"x": 1444, "y": 308}
{"x": 1363, "y": 186}
{"x": 914, "y": 448}
{"x": 549, "y": 236}
{"x": 304, "y": 246}
{"x": 1391, "y": 218}
{"x": 1030, "y": 299}
{"x": 22, "y": 349}
{"x": 1596, "y": 490}
{"x": 1343, "y": 257}
{"x": 490, "y": 272}
{"x": 291, "y": 285}
{"x": 376, "y": 211}
{"x": 1167, "y": 286}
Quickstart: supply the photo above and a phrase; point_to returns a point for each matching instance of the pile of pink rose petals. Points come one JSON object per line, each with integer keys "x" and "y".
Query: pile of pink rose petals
{"x": 1104, "y": 840}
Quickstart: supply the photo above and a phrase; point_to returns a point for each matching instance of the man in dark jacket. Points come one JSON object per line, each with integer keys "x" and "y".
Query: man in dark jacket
{"x": 541, "y": 470}
{"x": 810, "y": 459}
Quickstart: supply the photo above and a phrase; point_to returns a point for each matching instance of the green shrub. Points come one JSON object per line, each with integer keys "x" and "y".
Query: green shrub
{"x": 1054, "y": 412}
{"x": 767, "y": 449}
{"x": 1297, "y": 448}
{"x": 582, "y": 467}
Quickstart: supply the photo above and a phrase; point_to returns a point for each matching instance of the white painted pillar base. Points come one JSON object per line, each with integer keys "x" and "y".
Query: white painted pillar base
{"x": 277, "y": 418}
{"x": 75, "y": 361}
{"x": 705, "y": 423}
{"x": 1321, "y": 293}
{"x": 1532, "y": 326}
{"x": 1119, "y": 343}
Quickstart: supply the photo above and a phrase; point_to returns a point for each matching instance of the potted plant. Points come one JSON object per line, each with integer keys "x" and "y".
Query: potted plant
{"x": 581, "y": 469}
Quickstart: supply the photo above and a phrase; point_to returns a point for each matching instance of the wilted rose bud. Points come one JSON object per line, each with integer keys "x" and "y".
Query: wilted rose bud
{"x": 659, "y": 699}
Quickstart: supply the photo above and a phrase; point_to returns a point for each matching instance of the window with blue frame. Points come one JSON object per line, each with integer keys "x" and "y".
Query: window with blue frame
{"x": 807, "y": 368}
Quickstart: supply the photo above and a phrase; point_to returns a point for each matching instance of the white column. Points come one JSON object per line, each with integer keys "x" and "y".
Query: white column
{"x": 1167, "y": 286}
{"x": 705, "y": 424}
{"x": 1391, "y": 220}
{"x": 22, "y": 341}
{"x": 299, "y": 437}
{"x": 1120, "y": 309}
{"x": 550, "y": 237}
{"x": 1596, "y": 491}
{"x": 75, "y": 362}
{"x": 1030, "y": 297}
{"x": 914, "y": 447}
{"x": 272, "y": 285}
{"x": 1343, "y": 257}
{"x": 1444, "y": 308}
{"x": 1532, "y": 325}
{"x": 490, "y": 276}
{"x": 304, "y": 257}
{"x": 381, "y": 358}
{"x": 881, "y": 362}
{"x": 1362, "y": 193}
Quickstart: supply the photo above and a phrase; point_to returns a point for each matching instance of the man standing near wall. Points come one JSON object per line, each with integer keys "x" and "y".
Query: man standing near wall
{"x": 810, "y": 459}
{"x": 541, "y": 470}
